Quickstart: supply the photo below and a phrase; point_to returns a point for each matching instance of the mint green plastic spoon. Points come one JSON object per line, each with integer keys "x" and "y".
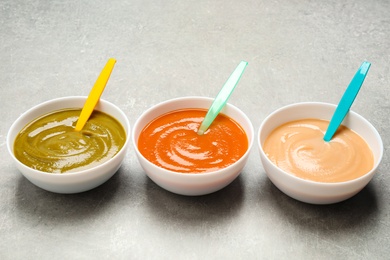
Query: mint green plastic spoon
{"x": 347, "y": 100}
{"x": 222, "y": 97}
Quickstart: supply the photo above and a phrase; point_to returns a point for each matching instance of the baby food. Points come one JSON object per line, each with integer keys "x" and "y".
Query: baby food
{"x": 171, "y": 142}
{"x": 298, "y": 148}
{"x": 51, "y": 144}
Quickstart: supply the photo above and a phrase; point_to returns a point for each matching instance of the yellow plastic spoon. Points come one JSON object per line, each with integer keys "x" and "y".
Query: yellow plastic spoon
{"x": 95, "y": 94}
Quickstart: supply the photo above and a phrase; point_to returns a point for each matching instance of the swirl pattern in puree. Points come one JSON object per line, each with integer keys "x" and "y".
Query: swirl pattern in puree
{"x": 51, "y": 144}
{"x": 298, "y": 147}
{"x": 171, "y": 142}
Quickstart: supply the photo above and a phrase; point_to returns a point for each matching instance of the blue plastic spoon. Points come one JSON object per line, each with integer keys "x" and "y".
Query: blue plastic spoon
{"x": 222, "y": 97}
{"x": 347, "y": 100}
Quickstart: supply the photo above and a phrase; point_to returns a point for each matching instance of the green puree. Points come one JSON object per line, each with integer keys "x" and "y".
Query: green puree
{"x": 51, "y": 144}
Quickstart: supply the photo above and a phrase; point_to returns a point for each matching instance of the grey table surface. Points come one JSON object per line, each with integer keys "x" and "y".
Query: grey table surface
{"x": 297, "y": 51}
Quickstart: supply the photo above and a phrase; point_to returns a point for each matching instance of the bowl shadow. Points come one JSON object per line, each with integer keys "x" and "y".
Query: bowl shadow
{"x": 35, "y": 203}
{"x": 169, "y": 207}
{"x": 343, "y": 215}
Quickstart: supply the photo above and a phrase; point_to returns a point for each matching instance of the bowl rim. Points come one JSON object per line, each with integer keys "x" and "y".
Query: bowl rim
{"x": 60, "y": 99}
{"x": 310, "y": 182}
{"x": 193, "y": 175}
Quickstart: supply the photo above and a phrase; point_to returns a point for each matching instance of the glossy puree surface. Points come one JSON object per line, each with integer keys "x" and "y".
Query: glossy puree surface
{"x": 298, "y": 147}
{"x": 51, "y": 144}
{"x": 171, "y": 142}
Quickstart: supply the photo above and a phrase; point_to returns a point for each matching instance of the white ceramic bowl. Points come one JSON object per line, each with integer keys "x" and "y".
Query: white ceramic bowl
{"x": 76, "y": 181}
{"x": 310, "y": 191}
{"x": 191, "y": 184}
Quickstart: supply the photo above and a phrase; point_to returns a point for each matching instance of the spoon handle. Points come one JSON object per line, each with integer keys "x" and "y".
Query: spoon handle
{"x": 95, "y": 94}
{"x": 222, "y": 97}
{"x": 346, "y": 100}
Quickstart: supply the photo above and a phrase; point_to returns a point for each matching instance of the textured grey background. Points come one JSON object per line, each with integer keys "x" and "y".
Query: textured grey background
{"x": 298, "y": 50}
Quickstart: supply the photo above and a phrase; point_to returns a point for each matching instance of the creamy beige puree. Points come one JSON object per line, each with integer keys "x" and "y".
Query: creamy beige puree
{"x": 298, "y": 147}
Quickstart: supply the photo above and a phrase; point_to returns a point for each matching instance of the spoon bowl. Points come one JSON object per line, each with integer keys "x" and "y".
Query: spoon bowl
{"x": 191, "y": 184}
{"x": 310, "y": 191}
{"x": 69, "y": 182}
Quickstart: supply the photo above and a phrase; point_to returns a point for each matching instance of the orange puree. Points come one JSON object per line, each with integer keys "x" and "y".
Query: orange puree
{"x": 171, "y": 142}
{"x": 298, "y": 147}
